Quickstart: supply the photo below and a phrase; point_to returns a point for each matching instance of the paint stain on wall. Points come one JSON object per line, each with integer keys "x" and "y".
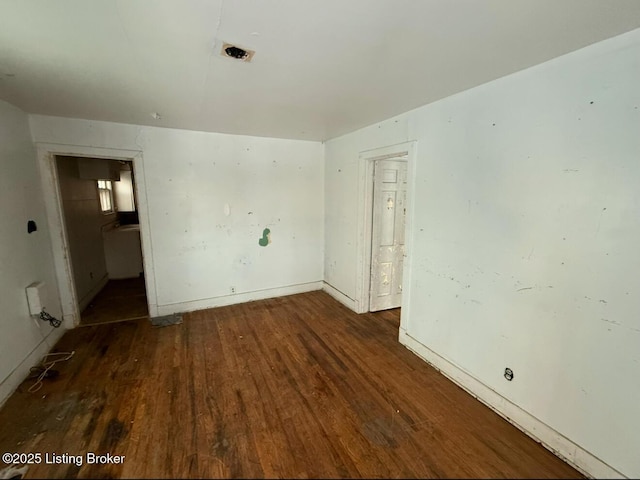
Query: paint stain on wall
{"x": 266, "y": 238}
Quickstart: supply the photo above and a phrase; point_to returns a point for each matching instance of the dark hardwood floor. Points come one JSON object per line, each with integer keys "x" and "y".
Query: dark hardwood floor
{"x": 296, "y": 387}
{"x": 119, "y": 300}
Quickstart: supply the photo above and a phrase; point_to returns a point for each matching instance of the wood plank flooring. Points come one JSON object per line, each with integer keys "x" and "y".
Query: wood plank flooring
{"x": 119, "y": 300}
{"x": 291, "y": 387}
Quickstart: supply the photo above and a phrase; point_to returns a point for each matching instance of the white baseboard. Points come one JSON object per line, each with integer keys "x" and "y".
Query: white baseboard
{"x": 17, "y": 376}
{"x": 339, "y": 296}
{"x": 225, "y": 300}
{"x": 91, "y": 294}
{"x": 573, "y": 454}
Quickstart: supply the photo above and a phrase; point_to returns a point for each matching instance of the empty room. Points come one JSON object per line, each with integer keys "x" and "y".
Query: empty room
{"x": 320, "y": 239}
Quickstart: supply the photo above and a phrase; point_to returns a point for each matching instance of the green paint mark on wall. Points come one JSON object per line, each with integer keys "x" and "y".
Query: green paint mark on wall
{"x": 266, "y": 238}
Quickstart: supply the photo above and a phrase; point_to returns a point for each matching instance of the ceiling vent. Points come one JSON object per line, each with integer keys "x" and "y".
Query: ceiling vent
{"x": 237, "y": 53}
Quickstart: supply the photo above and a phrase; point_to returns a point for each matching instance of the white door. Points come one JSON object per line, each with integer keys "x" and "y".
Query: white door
{"x": 387, "y": 243}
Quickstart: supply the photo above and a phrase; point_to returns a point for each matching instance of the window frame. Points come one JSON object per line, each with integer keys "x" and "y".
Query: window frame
{"x": 105, "y": 189}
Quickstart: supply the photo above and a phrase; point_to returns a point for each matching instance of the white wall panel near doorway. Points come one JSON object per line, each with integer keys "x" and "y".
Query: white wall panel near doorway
{"x": 84, "y": 223}
{"x": 25, "y": 257}
{"x": 524, "y": 241}
{"x": 209, "y": 199}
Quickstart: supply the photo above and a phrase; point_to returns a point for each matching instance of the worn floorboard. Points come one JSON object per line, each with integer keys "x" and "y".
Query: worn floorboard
{"x": 119, "y": 300}
{"x": 291, "y": 387}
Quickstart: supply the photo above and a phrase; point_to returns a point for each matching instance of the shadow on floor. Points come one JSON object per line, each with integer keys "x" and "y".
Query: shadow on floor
{"x": 119, "y": 300}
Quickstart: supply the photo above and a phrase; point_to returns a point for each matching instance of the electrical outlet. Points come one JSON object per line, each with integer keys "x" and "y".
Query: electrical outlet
{"x": 508, "y": 374}
{"x": 233, "y": 289}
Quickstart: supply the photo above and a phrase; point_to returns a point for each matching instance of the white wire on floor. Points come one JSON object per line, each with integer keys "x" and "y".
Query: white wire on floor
{"x": 48, "y": 365}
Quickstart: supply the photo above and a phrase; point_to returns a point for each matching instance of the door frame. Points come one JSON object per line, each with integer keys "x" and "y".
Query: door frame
{"x": 366, "y": 169}
{"x": 47, "y": 153}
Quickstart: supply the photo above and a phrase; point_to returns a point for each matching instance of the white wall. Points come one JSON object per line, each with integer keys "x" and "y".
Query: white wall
{"x": 524, "y": 246}
{"x": 209, "y": 198}
{"x": 342, "y": 200}
{"x": 123, "y": 192}
{"x": 24, "y": 258}
{"x": 84, "y": 222}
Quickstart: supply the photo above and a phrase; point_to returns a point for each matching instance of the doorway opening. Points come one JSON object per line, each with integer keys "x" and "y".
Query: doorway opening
{"x": 385, "y": 211}
{"x": 100, "y": 219}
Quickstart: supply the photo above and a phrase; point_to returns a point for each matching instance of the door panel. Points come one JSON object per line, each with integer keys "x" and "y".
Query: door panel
{"x": 387, "y": 243}
{"x": 387, "y": 219}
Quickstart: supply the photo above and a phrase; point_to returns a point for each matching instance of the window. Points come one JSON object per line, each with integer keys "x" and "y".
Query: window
{"x": 105, "y": 190}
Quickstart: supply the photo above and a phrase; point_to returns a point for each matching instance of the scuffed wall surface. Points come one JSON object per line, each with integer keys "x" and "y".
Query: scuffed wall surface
{"x": 525, "y": 234}
{"x": 525, "y": 242}
{"x": 342, "y": 198}
{"x": 24, "y": 257}
{"x": 341, "y": 209}
{"x": 210, "y": 197}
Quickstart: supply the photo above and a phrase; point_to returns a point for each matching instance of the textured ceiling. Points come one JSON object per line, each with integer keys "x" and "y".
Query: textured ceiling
{"x": 322, "y": 68}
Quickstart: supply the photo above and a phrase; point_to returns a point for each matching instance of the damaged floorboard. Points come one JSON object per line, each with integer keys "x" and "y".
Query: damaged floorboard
{"x": 297, "y": 386}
